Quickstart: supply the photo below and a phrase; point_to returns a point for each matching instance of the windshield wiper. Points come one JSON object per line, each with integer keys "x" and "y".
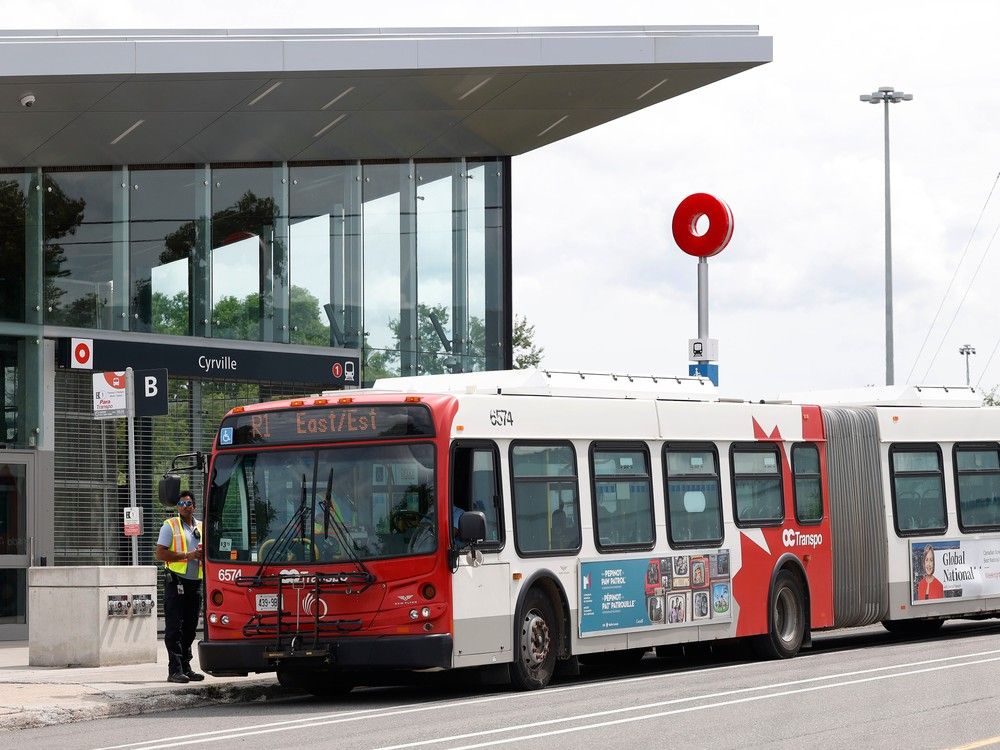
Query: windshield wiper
{"x": 284, "y": 538}
{"x": 340, "y": 530}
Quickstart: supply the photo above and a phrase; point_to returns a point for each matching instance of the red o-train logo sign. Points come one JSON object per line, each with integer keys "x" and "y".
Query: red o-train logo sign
{"x": 338, "y": 370}
{"x": 720, "y": 225}
{"x": 81, "y": 354}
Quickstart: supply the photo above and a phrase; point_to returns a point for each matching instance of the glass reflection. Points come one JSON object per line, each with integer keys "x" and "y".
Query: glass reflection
{"x": 381, "y": 212}
{"x": 13, "y": 213}
{"x": 161, "y": 241}
{"x": 10, "y": 380}
{"x": 435, "y": 251}
{"x": 78, "y": 260}
{"x": 243, "y": 217}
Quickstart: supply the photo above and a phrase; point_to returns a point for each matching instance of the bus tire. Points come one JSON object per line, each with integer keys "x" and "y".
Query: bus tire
{"x": 536, "y": 640}
{"x": 786, "y": 619}
{"x": 913, "y": 628}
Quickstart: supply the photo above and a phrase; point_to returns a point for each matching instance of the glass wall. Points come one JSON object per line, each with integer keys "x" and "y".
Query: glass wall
{"x": 404, "y": 260}
{"x": 78, "y": 252}
{"x": 162, "y": 238}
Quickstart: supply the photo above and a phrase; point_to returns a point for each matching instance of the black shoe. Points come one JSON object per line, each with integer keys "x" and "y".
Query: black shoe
{"x": 193, "y": 676}
{"x": 179, "y": 677}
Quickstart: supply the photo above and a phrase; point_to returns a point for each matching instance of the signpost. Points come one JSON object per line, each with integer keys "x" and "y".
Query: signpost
{"x": 115, "y": 396}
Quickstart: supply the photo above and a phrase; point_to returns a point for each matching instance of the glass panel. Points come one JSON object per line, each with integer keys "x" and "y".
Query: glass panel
{"x": 695, "y": 511}
{"x": 243, "y": 217}
{"x": 624, "y": 513}
{"x": 11, "y": 380}
{"x": 161, "y": 241}
{"x": 808, "y": 499}
{"x": 485, "y": 497}
{"x": 13, "y": 596}
{"x": 919, "y": 503}
{"x": 78, "y": 251}
{"x": 546, "y": 516}
{"x": 381, "y": 217}
{"x": 377, "y": 501}
{"x": 543, "y": 461}
{"x": 758, "y": 499}
{"x": 435, "y": 236}
{"x": 978, "y": 460}
{"x": 979, "y": 499}
{"x": 756, "y": 462}
{"x": 916, "y": 461}
{"x": 475, "y": 349}
{"x": 325, "y": 254}
{"x": 805, "y": 459}
{"x": 13, "y": 215}
{"x": 680, "y": 463}
{"x": 13, "y": 510}
{"x": 620, "y": 463}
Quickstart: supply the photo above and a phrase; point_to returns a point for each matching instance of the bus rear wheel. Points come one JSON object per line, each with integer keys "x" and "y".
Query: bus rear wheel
{"x": 535, "y": 642}
{"x": 786, "y": 620}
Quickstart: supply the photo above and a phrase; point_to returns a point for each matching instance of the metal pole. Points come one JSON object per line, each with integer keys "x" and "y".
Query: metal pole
{"x": 889, "y": 374}
{"x": 130, "y": 418}
{"x": 703, "y": 303}
{"x": 966, "y": 368}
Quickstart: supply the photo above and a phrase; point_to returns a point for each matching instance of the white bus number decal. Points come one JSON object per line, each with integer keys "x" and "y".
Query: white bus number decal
{"x": 228, "y": 574}
{"x": 501, "y": 418}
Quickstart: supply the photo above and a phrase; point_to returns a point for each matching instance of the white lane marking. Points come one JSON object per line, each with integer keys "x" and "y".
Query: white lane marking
{"x": 719, "y": 704}
{"x": 343, "y": 717}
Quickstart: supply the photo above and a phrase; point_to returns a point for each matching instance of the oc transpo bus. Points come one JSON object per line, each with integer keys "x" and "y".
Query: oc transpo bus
{"x": 519, "y": 521}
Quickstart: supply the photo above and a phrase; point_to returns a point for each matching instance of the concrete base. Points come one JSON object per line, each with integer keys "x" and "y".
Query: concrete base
{"x": 70, "y": 625}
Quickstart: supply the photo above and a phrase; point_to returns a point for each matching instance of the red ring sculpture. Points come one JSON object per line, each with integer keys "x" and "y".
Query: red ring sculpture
{"x": 720, "y": 225}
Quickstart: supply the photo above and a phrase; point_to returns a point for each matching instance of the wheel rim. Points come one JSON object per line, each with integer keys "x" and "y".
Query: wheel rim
{"x": 535, "y": 640}
{"x": 786, "y": 616}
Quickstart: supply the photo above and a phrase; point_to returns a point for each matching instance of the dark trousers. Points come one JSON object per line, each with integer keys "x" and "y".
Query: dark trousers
{"x": 181, "y": 609}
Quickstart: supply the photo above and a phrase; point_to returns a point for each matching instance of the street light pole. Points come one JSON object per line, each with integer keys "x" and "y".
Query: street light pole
{"x": 966, "y": 350}
{"x": 887, "y": 95}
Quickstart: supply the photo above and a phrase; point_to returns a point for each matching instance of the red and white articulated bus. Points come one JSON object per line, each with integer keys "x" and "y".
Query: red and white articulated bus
{"x": 519, "y": 521}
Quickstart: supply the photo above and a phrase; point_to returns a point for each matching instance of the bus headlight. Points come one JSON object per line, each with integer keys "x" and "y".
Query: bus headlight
{"x": 426, "y": 611}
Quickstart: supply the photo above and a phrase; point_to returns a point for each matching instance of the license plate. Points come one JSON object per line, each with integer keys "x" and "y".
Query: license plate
{"x": 267, "y": 602}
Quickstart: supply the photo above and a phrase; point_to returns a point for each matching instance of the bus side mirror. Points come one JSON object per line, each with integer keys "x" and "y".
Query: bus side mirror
{"x": 170, "y": 489}
{"x": 472, "y": 527}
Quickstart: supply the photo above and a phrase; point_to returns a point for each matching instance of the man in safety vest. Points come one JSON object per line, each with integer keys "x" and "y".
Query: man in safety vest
{"x": 179, "y": 547}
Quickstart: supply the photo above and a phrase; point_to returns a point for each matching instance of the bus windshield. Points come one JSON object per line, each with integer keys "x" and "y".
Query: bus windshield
{"x": 322, "y": 505}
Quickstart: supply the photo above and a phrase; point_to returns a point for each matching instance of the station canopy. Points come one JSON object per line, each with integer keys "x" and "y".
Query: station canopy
{"x": 170, "y": 97}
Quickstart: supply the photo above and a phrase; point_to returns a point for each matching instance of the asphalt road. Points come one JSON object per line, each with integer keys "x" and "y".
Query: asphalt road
{"x": 856, "y": 689}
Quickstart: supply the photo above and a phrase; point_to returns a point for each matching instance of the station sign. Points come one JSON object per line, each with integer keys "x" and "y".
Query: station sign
{"x": 133, "y": 521}
{"x": 110, "y": 401}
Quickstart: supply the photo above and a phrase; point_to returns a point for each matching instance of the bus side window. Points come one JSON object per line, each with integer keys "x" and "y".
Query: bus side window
{"x": 623, "y": 496}
{"x": 977, "y": 479}
{"x": 807, "y": 484}
{"x": 694, "y": 502}
{"x": 917, "y": 489}
{"x": 476, "y": 486}
{"x": 546, "y": 498}
{"x": 757, "y": 487}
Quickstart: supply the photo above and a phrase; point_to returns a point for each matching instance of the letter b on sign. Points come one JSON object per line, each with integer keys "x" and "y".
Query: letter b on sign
{"x": 150, "y": 392}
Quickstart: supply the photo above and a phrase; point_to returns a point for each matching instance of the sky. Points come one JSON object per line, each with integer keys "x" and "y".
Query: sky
{"x": 797, "y": 298}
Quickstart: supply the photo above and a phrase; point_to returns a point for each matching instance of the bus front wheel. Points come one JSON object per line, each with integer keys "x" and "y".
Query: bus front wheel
{"x": 535, "y": 642}
{"x": 786, "y": 620}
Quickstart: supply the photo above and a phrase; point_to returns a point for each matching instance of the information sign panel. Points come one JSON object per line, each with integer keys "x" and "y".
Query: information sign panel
{"x": 109, "y": 395}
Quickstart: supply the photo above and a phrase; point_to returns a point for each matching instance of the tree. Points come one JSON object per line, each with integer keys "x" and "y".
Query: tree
{"x": 991, "y": 397}
{"x": 526, "y": 354}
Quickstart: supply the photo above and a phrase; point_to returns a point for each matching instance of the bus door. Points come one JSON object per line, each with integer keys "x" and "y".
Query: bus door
{"x": 480, "y": 580}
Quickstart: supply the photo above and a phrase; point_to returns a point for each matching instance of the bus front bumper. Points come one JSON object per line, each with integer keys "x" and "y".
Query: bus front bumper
{"x": 382, "y": 653}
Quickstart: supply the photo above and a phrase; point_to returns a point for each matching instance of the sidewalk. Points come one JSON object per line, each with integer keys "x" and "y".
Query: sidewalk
{"x": 39, "y": 696}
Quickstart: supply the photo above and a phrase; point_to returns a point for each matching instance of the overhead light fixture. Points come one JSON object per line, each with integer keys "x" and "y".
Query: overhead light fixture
{"x": 127, "y": 130}
{"x": 338, "y": 97}
{"x": 475, "y": 88}
{"x": 264, "y": 93}
{"x": 651, "y": 89}
{"x": 326, "y": 127}
{"x": 552, "y": 125}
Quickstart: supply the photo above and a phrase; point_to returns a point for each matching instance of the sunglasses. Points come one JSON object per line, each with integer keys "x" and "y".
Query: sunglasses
{"x": 185, "y": 503}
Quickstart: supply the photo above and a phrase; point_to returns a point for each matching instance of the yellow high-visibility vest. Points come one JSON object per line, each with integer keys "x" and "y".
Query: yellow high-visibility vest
{"x": 178, "y": 543}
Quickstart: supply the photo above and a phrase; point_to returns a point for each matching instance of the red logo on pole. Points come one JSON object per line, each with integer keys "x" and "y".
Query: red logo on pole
{"x": 720, "y": 225}
{"x": 81, "y": 354}
{"x": 338, "y": 370}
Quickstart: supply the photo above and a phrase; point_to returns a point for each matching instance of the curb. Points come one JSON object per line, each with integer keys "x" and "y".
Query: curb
{"x": 133, "y": 703}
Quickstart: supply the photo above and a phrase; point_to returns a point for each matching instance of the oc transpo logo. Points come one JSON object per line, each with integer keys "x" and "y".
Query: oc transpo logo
{"x": 792, "y": 538}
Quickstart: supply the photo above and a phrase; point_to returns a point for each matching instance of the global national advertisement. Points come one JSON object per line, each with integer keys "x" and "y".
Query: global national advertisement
{"x": 621, "y": 595}
{"x": 954, "y": 569}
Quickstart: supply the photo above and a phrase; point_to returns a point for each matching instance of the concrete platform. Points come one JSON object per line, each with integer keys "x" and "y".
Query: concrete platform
{"x": 40, "y": 696}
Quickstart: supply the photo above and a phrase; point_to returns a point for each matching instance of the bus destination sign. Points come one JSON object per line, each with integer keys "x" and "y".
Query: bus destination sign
{"x": 326, "y": 424}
